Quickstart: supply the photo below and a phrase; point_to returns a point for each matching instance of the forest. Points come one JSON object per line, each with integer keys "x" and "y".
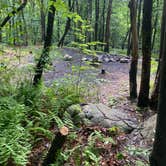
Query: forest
{"x": 83, "y": 82}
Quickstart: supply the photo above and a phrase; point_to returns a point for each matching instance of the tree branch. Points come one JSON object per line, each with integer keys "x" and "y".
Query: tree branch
{"x": 10, "y": 15}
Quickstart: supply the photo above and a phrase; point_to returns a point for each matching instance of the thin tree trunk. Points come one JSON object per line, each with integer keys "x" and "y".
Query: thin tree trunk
{"x": 42, "y": 20}
{"x": 143, "y": 99}
{"x": 90, "y": 19}
{"x": 139, "y": 17}
{"x": 158, "y": 155}
{"x": 25, "y": 30}
{"x": 67, "y": 27}
{"x": 47, "y": 44}
{"x": 134, "y": 60}
{"x": 103, "y": 22}
{"x": 124, "y": 41}
{"x": 96, "y": 21}
{"x": 155, "y": 25}
{"x": 129, "y": 42}
{"x": 107, "y": 31}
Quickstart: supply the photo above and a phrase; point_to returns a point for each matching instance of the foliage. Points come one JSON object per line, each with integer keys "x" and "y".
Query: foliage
{"x": 14, "y": 137}
{"x": 87, "y": 153}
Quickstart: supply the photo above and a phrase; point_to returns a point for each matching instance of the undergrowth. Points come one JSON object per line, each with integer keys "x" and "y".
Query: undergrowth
{"x": 28, "y": 113}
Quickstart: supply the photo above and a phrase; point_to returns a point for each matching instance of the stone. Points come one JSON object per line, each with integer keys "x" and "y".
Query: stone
{"x": 85, "y": 59}
{"x": 149, "y": 126}
{"x": 102, "y": 115}
{"x": 68, "y": 57}
{"x": 74, "y": 109}
{"x": 124, "y": 60}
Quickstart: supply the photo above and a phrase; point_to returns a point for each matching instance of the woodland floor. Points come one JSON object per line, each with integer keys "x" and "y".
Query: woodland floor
{"x": 112, "y": 90}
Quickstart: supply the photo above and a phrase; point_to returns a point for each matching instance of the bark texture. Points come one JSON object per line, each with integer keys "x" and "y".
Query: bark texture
{"x": 158, "y": 156}
{"x": 134, "y": 60}
{"x": 107, "y": 31}
{"x": 143, "y": 99}
{"x": 47, "y": 44}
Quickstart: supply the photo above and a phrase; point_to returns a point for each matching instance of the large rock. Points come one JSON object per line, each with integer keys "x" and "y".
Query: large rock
{"x": 148, "y": 130}
{"x": 102, "y": 115}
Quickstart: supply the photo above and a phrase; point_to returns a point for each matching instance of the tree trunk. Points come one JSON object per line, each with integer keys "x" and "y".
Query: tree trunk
{"x": 90, "y": 19}
{"x": 67, "y": 27}
{"x": 103, "y": 22}
{"x": 107, "y": 31}
{"x": 134, "y": 60}
{"x": 42, "y": 20}
{"x": 25, "y": 30}
{"x": 124, "y": 41}
{"x": 96, "y": 21}
{"x": 139, "y": 17}
{"x": 155, "y": 25}
{"x": 56, "y": 145}
{"x": 158, "y": 156}
{"x": 143, "y": 99}
{"x": 129, "y": 43}
{"x": 47, "y": 43}
{"x": 155, "y": 92}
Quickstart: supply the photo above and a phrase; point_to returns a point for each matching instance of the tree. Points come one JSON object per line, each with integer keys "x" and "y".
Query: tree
{"x": 158, "y": 156}
{"x": 67, "y": 26}
{"x": 155, "y": 24}
{"x": 42, "y": 20}
{"x": 107, "y": 31}
{"x": 47, "y": 44}
{"x": 11, "y": 14}
{"x": 139, "y": 3}
{"x": 143, "y": 99}
{"x": 155, "y": 92}
{"x": 134, "y": 60}
{"x": 96, "y": 21}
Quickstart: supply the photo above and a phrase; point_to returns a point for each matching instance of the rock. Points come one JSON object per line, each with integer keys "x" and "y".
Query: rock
{"x": 85, "y": 59}
{"x": 74, "y": 110}
{"x": 95, "y": 59}
{"x": 148, "y": 130}
{"x": 124, "y": 60}
{"x": 107, "y": 60}
{"x": 68, "y": 57}
{"x": 102, "y": 115}
{"x": 76, "y": 114}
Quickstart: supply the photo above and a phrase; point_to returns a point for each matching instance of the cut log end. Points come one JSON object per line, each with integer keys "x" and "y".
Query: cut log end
{"x": 64, "y": 131}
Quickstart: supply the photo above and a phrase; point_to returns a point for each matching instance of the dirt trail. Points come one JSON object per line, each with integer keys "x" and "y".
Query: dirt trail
{"x": 116, "y": 77}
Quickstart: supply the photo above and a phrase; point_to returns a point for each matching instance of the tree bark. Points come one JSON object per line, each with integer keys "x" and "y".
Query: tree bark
{"x": 47, "y": 44}
{"x": 107, "y": 31}
{"x": 139, "y": 17}
{"x": 67, "y": 27}
{"x": 134, "y": 60}
{"x": 143, "y": 99}
{"x": 129, "y": 42}
{"x": 42, "y": 20}
{"x": 158, "y": 156}
{"x": 155, "y": 92}
{"x": 155, "y": 25}
{"x": 56, "y": 145}
{"x": 126, "y": 37}
{"x": 96, "y": 21}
